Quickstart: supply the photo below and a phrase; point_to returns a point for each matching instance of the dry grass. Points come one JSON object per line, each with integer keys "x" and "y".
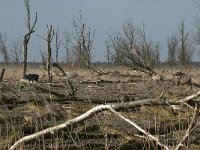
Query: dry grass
{"x": 103, "y": 129}
{"x": 15, "y": 71}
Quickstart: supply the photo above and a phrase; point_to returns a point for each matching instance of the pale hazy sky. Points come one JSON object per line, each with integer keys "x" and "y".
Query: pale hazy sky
{"x": 161, "y": 18}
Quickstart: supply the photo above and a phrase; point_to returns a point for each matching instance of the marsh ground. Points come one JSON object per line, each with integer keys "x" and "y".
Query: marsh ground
{"x": 23, "y": 110}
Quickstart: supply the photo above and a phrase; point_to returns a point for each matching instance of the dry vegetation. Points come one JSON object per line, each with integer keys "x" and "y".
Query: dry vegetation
{"x": 24, "y": 109}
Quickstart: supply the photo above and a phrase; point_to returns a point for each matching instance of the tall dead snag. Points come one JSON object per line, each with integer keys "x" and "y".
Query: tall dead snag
{"x": 27, "y": 36}
{"x": 108, "y": 53}
{"x": 3, "y": 48}
{"x": 57, "y": 44}
{"x": 185, "y": 50}
{"x": 172, "y": 45}
{"x": 49, "y": 39}
{"x": 2, "y": 74}
{"x": 66, "y": 44}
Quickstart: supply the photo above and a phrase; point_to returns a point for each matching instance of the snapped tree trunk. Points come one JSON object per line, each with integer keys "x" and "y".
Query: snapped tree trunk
{"x": 49, "y": 62}
{"x": 2, "y": 74}
{"x": 50, "y": 35}
{"x": 24, "y": 59}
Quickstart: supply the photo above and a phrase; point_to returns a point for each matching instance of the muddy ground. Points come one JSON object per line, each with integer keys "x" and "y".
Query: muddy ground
{"x": 24, "y": 111}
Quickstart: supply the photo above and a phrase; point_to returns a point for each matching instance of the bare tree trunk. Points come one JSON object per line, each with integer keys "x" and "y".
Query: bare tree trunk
{"x": 3, "y": 49}
{"x": 27, "y": 36}
{"x": 185, "y": 49}
{"x": 66, "y": 46}
{"x": 49, "y": 40}
{"x": 24, "y": 59}
{"x": 2, "y": 74}
{"x": 49, "y": 63}
{"x": 57, "y": 45}
{"x": 172, "y": 45}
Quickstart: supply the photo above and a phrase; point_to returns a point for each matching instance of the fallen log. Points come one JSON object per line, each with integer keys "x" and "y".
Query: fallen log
{"x": 112, "y": 108}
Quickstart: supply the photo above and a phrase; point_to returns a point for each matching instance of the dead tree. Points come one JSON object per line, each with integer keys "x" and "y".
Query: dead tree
{"x": 57, "y": 44}
{"x": 44, "y": 59}
{"x": 172, "y": 44}
{"x": 16, "y": 51}
{"x": 3, "y": 48}
{"x": 184, "y": 50}
{"x": 83, "y": 43}
{"x": 27, "y": 36}
{"x": 108, "y": 52}
{"x": 66, "y": 44}
{"x": 48, "y": 39}
{"x": 2, "y": 74}
{"x": 131, "y": 48}
{"x": 50, "y": 34}
{"x": 148, "y": 50}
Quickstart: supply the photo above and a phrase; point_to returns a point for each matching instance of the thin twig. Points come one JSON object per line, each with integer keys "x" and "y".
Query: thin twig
{"x": 189, "y": 130}
{"x": 110, "y": 107}
{"x": 140, "y": 129}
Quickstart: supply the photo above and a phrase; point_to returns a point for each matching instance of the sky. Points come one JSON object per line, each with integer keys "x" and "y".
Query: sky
{"x": 161, "y": 19}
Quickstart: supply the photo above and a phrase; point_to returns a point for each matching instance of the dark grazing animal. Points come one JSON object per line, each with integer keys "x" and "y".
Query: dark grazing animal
{"x": 32, "y": 77}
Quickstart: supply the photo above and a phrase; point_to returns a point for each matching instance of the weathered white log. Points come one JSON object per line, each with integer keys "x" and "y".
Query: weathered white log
{"x": 76, "y": 120}
{"x": 81, "y": 118}
{"x": 98, "y": 109}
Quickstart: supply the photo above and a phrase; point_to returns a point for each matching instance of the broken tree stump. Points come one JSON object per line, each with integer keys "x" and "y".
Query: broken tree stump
{"x": 2, "y": 74}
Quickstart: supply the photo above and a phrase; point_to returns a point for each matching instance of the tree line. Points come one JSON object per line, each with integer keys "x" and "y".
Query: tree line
{"x": 130, "y": 46}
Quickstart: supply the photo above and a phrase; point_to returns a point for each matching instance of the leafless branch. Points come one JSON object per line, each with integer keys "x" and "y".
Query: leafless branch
{"x": 27, "y": 36}
{"x": 189, "y": 130}
{"x": 111, "y": 107}
{"x": 139, "y": 128}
